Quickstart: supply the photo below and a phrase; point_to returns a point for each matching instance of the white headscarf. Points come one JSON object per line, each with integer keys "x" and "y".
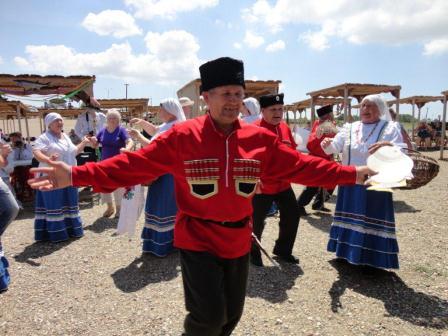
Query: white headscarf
{"x": 252, "y": 105}
{"x": 172, "y": 106}
{"x": 50, "y": 117}
{"x": 381, "y": 103}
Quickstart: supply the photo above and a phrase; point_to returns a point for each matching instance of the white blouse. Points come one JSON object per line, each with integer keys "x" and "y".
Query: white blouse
{"x": 163, "y": 128}
{"x": 49, "y": 144}
{"x": 354, "y": 139}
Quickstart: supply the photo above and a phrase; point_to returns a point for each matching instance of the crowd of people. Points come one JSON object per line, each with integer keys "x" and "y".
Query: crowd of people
{"x": 212, "y": 181}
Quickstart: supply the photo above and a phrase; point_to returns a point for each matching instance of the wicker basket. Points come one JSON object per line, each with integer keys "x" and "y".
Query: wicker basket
{"x": 425, "y": 169}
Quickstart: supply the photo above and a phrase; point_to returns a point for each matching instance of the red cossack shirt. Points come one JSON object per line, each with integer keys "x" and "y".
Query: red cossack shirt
{"x": 270, "y": 185}
{"x": 215, "y": 178}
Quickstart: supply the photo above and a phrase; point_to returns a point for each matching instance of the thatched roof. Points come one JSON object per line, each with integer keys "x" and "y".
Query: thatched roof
{"x": 23, "y": 85}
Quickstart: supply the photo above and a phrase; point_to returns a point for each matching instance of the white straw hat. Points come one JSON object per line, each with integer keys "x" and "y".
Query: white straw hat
{"x": 391, "y": 164}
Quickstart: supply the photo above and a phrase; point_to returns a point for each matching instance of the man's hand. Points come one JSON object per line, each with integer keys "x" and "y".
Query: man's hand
{"x": 5, "y": 149}
{"x": 363, "y": 173}
{"x": 136, "y": 121}
{"x": 57, "y": 176}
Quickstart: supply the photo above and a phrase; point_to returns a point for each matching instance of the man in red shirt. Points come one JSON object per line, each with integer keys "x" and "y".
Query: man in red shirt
{"x": 324, "y": 127}
{"x": 272, "y": 190}
{"x": 216, "y": 162}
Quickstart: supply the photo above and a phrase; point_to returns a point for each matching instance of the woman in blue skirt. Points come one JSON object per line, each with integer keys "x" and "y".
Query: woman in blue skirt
{"x": 161, "y": 208}
{"x": 57, "y": 212}
{"x": 363, "y": 228}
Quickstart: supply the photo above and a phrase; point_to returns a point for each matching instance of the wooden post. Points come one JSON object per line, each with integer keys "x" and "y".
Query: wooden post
{"x": 27, "y": 129}
{"x": 397, "y": 105}
{"x": 312, "y": 110}
{"x": 346, "y": 111}
{"x": 19, "y": 119}
{"x": 413, "y": 119}
{"x": 419, "y": 111}
{"x": 442, "y": 141}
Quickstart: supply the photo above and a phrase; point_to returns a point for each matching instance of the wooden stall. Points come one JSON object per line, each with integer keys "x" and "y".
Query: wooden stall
{"x": 254, "y": 88}
{"x": 355, "y": 90}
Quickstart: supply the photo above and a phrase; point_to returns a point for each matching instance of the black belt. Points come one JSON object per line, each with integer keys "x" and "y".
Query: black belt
{"x": 233, "y": 225}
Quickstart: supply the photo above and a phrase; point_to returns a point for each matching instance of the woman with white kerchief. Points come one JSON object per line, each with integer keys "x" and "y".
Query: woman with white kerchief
{"x": 161, "y": 208}
{"x": 57, "y": 212}
{"x": 250, "y": 110}
{"x": 363, "y": 228}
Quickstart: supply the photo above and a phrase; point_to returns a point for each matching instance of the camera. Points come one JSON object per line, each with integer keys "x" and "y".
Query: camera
{"x": 18, "y": 143}
{"x": 91, "y": 133}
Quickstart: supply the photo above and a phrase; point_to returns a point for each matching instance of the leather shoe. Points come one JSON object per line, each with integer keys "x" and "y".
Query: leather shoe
{"x": 320, "y": 208}
{"x": 288, "y": 258}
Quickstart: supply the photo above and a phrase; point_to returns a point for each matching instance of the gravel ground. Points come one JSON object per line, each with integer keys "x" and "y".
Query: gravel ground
{"x": 102, "y": 285}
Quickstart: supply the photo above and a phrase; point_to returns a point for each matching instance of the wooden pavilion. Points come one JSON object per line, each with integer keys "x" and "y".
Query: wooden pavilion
{"x": 254, "y": 88}
{"x": 71, "y": 87}
{"x": 418, "y": 101}
{"x": 302, "y": 105}
{"x": 355, "y": 90}
{"x": 15, "y": 110}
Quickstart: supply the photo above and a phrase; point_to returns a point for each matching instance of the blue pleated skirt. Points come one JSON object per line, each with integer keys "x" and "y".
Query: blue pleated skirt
{"x": 363, "y": 228}
{"x": 57, "y": 215}
{"x": 160, "y": 216}
{"x": 4, "y": 274}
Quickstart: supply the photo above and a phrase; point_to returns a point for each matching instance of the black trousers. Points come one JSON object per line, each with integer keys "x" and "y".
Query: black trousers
{"x": 289, "y": 219}
{"x": 215, "y": 290}
{"x": 309, "y": 192}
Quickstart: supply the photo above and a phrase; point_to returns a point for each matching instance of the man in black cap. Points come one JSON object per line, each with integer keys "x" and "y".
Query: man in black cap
{"x": 272, "y": 190}
{"x": 216, "y": 162}
{"x": 324, "y": 127}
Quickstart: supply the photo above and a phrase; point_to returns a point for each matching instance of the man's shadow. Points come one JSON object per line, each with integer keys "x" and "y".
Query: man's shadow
{"x": 271, "y": 283}
{"x": 39, "y": 250}
{"x": 102, "y": 224}
{"x": 399, "y": 300}
{"x": 145, "y": 270}
{"x": 320, "y": 220}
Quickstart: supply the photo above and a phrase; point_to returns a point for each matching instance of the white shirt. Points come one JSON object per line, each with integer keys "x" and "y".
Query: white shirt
{"x": 163, "y": 128}
{"x": 23, "y": 153}
{"x": 354, "y": 139}
{"x": 49, "y": 144}
{"x": 84, "y": 127}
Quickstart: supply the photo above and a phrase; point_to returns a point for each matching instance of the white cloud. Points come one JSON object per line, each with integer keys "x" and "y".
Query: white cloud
{"x": 237, "y": 45}
{"x": 111, "y": 22}
{"x": 171, "y": 58}
{"x": 276, "y": 46}
{"x": 315, "y": 40}
{"x": 252, "y": 40}
{"x": 388, "y": 22}
{"x": 148, "y": 9}
{"x": 436, "y": 47}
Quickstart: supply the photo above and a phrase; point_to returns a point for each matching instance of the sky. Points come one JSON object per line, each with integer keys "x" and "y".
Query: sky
{"x": 156, "y": 46}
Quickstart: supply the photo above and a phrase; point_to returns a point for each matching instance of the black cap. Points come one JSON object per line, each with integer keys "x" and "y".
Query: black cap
{"x": 271, "y": 99}
{"x": 222, "y": 71}
{"x": 324, "y": 110}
